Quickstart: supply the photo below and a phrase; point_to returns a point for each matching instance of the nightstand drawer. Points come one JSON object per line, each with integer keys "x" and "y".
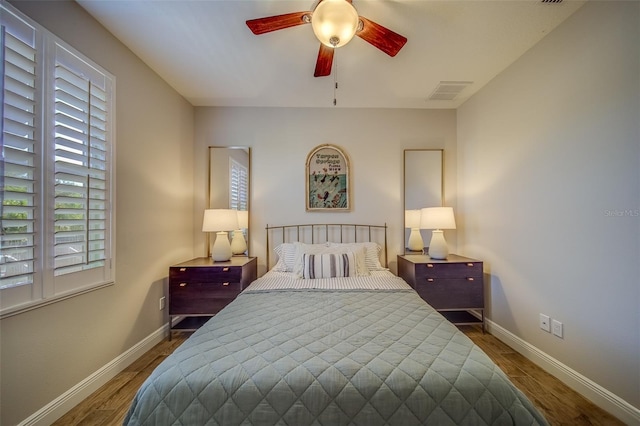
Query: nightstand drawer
{"x": 442, "y": 293}
{"x": 201, "y": 298}
{"x": 203, "y": 306}
{"x": 198, "y": 289}
{"x": 206, "y": 275}
{"x": 449, "y": 270}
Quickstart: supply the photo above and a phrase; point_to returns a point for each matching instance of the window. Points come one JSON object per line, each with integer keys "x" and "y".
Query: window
{"x": 56, "y": 168}
{"x": 238, "y": 186}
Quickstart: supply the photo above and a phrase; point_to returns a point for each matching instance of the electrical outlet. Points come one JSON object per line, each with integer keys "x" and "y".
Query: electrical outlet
{"x": 545, "y": 323}
{"x": 556, "y": 326}
{"x": 162, "y": 302}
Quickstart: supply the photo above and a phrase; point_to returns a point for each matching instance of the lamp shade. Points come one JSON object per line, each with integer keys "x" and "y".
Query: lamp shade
{"x": 219, "y": 220}
{"x": 412, "y": 218}
{"x": 334, "y": 22}
{"x": 438, "y": 218}
{"x": 243, "y": 219}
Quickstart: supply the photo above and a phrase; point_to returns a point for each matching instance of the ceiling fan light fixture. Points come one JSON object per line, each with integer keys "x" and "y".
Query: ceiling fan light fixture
{"x": 334, "y": 22}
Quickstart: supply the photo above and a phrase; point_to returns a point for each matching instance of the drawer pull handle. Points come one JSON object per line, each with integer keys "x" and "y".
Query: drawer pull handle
{"x": 183, "y": 284}
{"x": 470, "y": 279}
{"x": 430, "y": 280}
{"x": 429, "y": 265}
{"x": 183, "y": 269}
{"x": 470, "y": 264}
{"x": 225, "y": 269}
{"x": 225, "y": 283}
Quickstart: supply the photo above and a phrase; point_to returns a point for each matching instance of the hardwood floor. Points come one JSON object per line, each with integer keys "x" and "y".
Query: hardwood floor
{"x": 109, "y": 404}
{"x": 559, "y": 404}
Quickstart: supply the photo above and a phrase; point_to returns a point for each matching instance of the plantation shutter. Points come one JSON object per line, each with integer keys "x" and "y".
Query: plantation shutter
{"x": 19, "y": 193}
{"x": 238, "y": 186}
{"x": 82, "y": 156}
{"x": 56, "y": 168}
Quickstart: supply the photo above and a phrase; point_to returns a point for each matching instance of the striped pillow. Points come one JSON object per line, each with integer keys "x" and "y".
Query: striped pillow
{"x": 372, "y": 253}
{"x": 290, "y": 255}
{"x": 286, "y": 253}
{"x": 328, "y": 265}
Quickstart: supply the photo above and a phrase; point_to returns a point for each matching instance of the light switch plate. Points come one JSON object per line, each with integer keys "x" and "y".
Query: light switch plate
{"x": 556, "y": 327}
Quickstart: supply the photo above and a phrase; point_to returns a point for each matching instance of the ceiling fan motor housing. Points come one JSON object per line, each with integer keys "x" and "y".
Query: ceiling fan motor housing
{"x": 334, "y": 22}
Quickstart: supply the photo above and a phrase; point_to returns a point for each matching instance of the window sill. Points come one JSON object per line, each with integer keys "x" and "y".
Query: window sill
{"x": 17, "y": 310}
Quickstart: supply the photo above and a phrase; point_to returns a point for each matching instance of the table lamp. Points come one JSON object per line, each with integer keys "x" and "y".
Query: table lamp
{"x": 238, "y": 243}
{"x": 412, "y": 221}
{"x": 220, "y": 221}
{"x": 437, "y": 219}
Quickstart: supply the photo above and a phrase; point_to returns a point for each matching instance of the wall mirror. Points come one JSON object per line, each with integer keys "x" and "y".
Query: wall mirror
{"x": 423, "y": 183}
{"x": 229, "y": 179}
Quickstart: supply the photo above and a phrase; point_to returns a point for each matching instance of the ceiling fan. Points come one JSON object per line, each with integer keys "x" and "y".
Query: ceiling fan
{"x": 334, "y": 23}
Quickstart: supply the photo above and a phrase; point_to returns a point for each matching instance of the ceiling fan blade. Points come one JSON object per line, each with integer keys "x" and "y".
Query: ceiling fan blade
{"x": 383, "y": 38}
{"x": 324, "y": 62}
{"x": 277, "y": 22}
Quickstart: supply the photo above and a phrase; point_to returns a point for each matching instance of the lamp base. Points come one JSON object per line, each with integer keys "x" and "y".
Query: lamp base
{"x": 415, "y": 240}
{"x": 238, "y": 243}
{"x": 221, "y": 251}
{"x": 438, "y": 248}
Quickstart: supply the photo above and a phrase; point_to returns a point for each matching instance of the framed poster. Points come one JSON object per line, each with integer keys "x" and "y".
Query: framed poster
{"x": 327, "y": 179}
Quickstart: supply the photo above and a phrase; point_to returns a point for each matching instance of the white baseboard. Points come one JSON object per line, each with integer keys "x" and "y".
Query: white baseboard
{"x": 65, "y": 402}
{"x": 592, "y": 391}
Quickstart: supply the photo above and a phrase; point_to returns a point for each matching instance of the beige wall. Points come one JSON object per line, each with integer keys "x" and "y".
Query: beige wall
{"x": 47, "y": 351}
{"x": 281, "y": 139}
{"x": 549, "y": 179}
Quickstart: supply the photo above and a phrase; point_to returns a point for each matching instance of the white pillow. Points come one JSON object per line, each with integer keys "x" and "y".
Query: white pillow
{"x": 371, "y": 250}
{"x": 286, "y": 253}
{"x": 289, "y": 255}
{"x": 302, "y": 249}
{"x": 328, "y": 265}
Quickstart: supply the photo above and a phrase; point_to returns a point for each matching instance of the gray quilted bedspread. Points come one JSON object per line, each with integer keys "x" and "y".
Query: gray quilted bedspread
{"x": 329, "y": 358}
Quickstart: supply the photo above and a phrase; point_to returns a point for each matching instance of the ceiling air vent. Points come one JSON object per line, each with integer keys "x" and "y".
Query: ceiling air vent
{"x": 551, "y": 1}
{"x": 448, "y": 90}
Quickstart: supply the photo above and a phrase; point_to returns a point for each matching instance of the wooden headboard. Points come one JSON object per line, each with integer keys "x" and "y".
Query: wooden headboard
{"x": 318, "y": 233}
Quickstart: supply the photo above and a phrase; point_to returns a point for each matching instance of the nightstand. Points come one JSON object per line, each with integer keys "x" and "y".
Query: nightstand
{"x": 454, "y": 286}
{"x": 200, "y": 288}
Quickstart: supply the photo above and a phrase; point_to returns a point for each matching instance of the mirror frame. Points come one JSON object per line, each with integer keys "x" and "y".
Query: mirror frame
{"x": 434, "y": 189}
{"x": 210, "y": 174}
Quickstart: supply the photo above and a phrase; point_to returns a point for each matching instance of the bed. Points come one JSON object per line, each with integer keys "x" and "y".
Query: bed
{"x": 329, "y": 336}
